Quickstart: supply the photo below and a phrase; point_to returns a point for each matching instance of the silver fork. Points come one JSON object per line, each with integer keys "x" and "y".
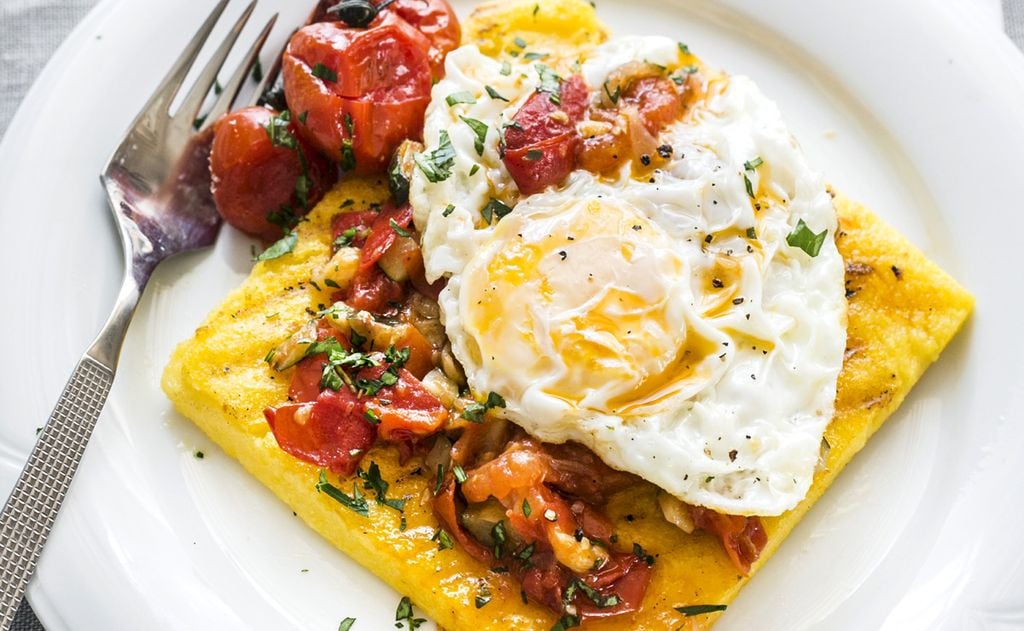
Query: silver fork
{"x": 158, "y": 185}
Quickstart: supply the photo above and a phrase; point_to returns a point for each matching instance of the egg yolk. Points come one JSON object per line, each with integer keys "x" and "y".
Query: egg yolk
{"x": 588, "y": 302}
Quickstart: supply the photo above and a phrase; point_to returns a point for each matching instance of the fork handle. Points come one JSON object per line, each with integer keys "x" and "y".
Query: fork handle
{"x": 32, "y": 506}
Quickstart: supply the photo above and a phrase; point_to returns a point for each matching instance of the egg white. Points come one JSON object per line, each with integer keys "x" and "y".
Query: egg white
{"x": 738, "y": 427}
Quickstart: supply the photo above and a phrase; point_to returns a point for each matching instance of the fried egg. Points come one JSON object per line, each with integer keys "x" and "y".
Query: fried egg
{"x": 669, "y": 322}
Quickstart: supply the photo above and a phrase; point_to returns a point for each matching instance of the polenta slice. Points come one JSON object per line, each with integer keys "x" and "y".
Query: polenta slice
{"x": 903, "y": 310}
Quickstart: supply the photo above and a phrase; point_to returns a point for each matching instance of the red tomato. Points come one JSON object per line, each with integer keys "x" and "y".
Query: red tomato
{"x": 743, "y": 537}
{"x": 371, "y": 290}
{"x": 446, "y": 507}
{"x": 331, "y": 432}
{"x": 406, "y": 410}
{"x": 252, "y": 177}
{"x": 540, "y": 149}
{"x": 361, "y": 221}
{"x": 658, "y": 101}
{"x": 361, "y": 91}
{"x": 305, "y": 386}
{"x": 436, "y": 19}
{"x": 382, "y": 233}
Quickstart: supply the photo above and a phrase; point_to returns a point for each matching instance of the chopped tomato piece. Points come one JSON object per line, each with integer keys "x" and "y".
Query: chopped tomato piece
{"x": 743, "y": 537}
{"x": 406, "y": 410}
{"x": 446, "y": 507}
{"x": 540, "y": 145}
{"x": 305, "y": 386}
{"x": 658, "y": 101}
{"x": 371, "y": 290}
{"x": 420, "y": 351}
{"x": 360, "y": 221}
{"x": 330, "y": 432}
{"x": 383, "y": 234}
{"x": 625, "y": 576}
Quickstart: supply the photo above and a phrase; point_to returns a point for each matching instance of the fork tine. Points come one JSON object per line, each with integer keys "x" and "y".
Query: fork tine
{"x": 270, "y": 76}
{"x": 197, "y": 94}
{"x": 234, "y": 84}
{"x": 171, "y": 83}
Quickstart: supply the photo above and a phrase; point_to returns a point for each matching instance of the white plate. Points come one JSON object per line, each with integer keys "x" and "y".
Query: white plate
{"x": 913, "y": 107}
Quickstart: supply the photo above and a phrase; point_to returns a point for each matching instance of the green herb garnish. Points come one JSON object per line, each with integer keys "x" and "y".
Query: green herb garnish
{"x": 355, "y": 502}
{"x": 805, "y": 239}
{"x": 480, "y": 130}
{"x": 460, "y": 97}
{"x": 696, "y": 610}
{"x": 321, "y": 71}
{"x": 437, "y": 165}
{"x": 281, "y": 247}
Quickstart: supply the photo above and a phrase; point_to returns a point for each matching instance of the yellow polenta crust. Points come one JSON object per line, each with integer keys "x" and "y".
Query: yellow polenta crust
{"x": 903, "y": 311}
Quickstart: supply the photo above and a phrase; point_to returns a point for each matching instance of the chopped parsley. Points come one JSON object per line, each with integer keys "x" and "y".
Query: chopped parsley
{"x": 449, "y": 209}
{"x": 437, "y": 165}
{"x": 494, "y": 208}
{"x": 533, "y": 155}
{"x": 371, "y": 416}
{"x": 506, "y": 69}
{"x": 567, "y": 621}
{"x": 473, "y": 169}
{"x": 683, "y": 48}
{"x": 460, "y": 97}
{"x": 480, "y": 130}
{"x": 550, "y": 82}
{"x": 475, "y": 411}
{"x": 641, "y": 554}
{"x": 749, "y": 186}
{"x": 399, "y": 230}
{"x": 499, "y": 536}
{"x": 443, "y": 539}
{"x": 277, "y": 130}
{"x": 404, "y": 614}
{"x": 346, "y": 624}
{"x": 373, "y": 482}
{"x": 520, "y": 42}
{"x": 612, "y": 96}
{"x": 483, "y": 596}
{"x": 459, "y": 473}
{"x": 348, "y": 155}
{"x": 526, "y": 508}
{"x": 696, "y": 610}
{"x": 576, "y": 585}
{"x": 281, "y": 247}
{"x": 355, "y": 502}
{"x": 751, "y": 165}
{"x": 257, "y": 72}
{"x": 535, "y": 56}
{"x": 345, "y": 238}
{"x": 751, "y": 232}
{"x": 805, "y": 239}
{"x": 491, "y": 92}
{"x": 321, "y": 71}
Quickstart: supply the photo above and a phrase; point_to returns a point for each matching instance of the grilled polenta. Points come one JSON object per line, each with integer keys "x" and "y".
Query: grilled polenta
{"x": 902, "y": 311}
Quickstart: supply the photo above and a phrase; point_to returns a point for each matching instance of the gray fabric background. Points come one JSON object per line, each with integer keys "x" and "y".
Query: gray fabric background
{"x": 30, "y": 30}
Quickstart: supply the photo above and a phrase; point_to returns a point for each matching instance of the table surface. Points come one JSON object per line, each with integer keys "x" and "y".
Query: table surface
{"x": 31, "y": 30}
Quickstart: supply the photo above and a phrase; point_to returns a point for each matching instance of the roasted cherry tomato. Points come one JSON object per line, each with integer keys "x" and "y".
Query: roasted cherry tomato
{"x": 254, "y": 177}
{"x": 361, "y": 92}
{"x": 540, "y": 147}
{"x": 435, "y": 19}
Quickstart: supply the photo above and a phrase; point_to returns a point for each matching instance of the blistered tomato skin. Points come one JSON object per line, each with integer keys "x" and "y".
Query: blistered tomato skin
{"x": 437, "y": 21}
{"x": 361, "y": 91}
{"x": 252, "y": 177}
